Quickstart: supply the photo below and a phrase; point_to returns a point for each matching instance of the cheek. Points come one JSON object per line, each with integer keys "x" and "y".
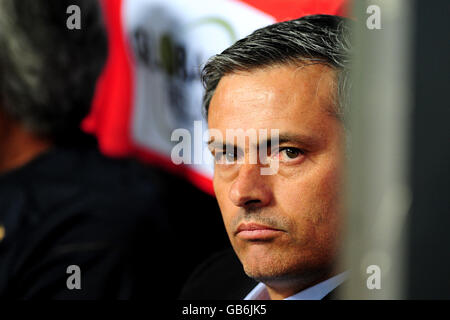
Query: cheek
{"x": 223, "y": 200}
{"x": 311, "y": 202}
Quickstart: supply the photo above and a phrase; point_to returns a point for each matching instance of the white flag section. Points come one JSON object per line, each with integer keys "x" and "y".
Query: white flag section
{"x": 170, "y": 42}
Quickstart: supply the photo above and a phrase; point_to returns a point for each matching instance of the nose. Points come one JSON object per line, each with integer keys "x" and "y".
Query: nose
{"x": 250, "y": 189}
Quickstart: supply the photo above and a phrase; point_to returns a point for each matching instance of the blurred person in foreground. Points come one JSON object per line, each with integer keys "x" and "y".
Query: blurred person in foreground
{"x": 285, "y": 227}
{"x": 64, "y": 206}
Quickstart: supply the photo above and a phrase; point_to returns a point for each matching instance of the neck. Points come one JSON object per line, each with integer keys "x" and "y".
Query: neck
{"x": 17, "y": 145}
{"x": 279, "y": 290}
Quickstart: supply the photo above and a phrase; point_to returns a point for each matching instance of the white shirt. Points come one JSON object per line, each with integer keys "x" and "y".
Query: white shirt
{"x": 316, "y": 292}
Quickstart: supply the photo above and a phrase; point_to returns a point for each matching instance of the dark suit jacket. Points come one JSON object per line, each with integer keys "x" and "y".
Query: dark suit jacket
{"x": 222, "y": 277}
{"x": 72, "y": 206}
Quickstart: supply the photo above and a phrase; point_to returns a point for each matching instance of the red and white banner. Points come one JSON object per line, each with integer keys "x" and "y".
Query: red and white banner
{"x": 151, "y": 82}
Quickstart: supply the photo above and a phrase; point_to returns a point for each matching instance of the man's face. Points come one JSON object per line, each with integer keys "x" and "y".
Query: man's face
{"x": 286, "y": 225}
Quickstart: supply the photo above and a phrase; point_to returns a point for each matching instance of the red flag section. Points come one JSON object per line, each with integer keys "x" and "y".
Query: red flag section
{"x": 283, "y": 10}
{"x": 109, "y": 119}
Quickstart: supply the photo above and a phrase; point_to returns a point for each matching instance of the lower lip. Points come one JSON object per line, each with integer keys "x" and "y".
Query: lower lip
{"x": 259, "y": 234}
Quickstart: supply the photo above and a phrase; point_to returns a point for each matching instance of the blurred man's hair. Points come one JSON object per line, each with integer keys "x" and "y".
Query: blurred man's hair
{"x": 48, "y": 72}
{"x": 310, "y": 39}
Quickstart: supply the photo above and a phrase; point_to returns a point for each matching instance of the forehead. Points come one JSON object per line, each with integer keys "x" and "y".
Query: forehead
{"x": 281, "y": 97}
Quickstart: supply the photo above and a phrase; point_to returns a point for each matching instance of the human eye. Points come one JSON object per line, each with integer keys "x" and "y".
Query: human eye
{"x": 227, "y": 156}
{"x": 287, "y": 154}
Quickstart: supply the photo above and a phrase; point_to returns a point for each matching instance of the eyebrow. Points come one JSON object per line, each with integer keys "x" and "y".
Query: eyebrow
{"x": 301, "y": 139}
{"x": 285, "y": 137}
{"x": 217, "y": 144}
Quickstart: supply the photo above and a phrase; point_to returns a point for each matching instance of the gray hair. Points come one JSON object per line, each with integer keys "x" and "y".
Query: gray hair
{"x": 48, "y": 72}
{"x": 315, "y": 38}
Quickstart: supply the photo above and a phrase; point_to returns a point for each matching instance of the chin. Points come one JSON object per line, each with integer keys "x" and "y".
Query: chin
{"x": 267, "y": 267}
{"x": 279, "y": 267}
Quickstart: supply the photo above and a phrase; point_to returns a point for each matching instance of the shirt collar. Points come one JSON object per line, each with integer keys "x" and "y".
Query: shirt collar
{"x": 316, "y": 292}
